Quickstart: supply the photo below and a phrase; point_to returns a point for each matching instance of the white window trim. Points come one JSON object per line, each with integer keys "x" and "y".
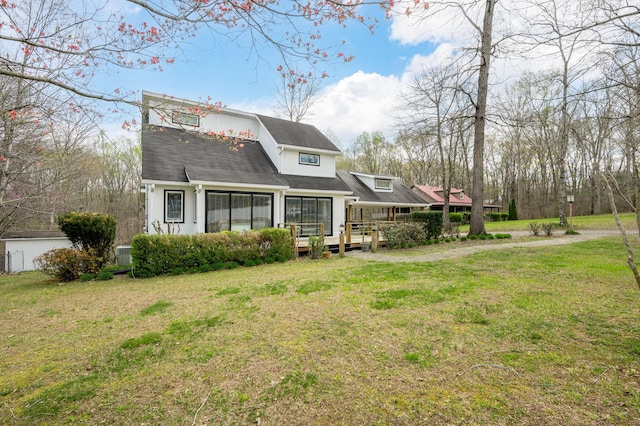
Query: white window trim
{"x": 308, "y": 155}
{"x": 166, "y": 206}
{"x": 387, "y": 187}
{"x": 178, "y": 117}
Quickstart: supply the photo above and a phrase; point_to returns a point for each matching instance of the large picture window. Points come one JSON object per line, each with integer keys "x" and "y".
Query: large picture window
{"x": 173, "y": 206}
{"x": 238, "y": 211}
{"x": 309, "y": 212}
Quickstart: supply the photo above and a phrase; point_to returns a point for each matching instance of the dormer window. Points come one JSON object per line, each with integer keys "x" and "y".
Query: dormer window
{"x": 383, "y": 184}
{"x": 309, "y": 159}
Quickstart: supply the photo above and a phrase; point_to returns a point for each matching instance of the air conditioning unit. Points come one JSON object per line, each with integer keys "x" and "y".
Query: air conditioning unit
{"x": 123, "y": 255}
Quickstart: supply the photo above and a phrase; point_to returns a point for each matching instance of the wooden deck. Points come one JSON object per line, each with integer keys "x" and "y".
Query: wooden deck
{"x": 333, "y": 243}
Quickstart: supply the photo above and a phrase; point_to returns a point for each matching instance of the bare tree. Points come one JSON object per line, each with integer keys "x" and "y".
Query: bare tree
{"x": 436, "y": 106}
{"x": 38, "y": 151}
{"x": 296, "y": 96}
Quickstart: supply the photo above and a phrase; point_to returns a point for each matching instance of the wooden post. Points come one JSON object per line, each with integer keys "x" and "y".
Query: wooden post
{"x": 294, "y": 240}
{"x": 341, "y": 251}
{"x": 374, "y": 239}
{"x": 570, "y": 199}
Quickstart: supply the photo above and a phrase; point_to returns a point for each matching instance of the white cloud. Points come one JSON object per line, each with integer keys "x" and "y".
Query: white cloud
{"x": 361, "y": 102}
{"x": 439, "y": 23}
{"x": 368, "y": 101}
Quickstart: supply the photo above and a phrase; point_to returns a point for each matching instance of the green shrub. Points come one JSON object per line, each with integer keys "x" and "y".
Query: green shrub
{"x": 513, "y": 211}
{"x": 87, "y": 277}
{"x": 154, "y": 255}
{"x": 92, "y": 233}
{"x": 66, "y": 264}
{"x": 433, "y": 221}
{"x": 504, "y": 216}
{"x": 398, "y": 235}
{"x": 455, "y": 217}
{"x": 316, "y": 244}
{"x": 104, "y": 275}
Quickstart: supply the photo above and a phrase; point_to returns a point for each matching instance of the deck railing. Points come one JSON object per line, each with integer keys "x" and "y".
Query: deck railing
{"x": 355, "y": 232}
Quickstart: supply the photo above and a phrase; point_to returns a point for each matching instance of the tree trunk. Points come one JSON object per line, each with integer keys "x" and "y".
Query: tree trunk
{"x": 477, "y": 209}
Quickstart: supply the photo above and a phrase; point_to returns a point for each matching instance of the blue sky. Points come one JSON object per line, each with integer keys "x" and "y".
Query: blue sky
{"x": 359, "y": 96}
{"x": 241, "y": 80}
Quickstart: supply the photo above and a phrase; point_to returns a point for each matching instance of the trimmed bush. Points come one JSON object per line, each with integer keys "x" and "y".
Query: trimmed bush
{"x": 399, "y": 235}
{"x": 433, "y": 221}
{"x": 92, "y": 233}
{"x": 455, "y": 217}
{"x": 154, "y": 255}
{"x": 503, "y": 236}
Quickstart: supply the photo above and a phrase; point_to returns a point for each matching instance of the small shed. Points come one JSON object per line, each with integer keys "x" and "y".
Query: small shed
{"x": 19, "y": 249}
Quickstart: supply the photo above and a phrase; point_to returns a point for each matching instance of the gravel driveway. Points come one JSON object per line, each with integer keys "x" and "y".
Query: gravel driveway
{"x": 560, "y": 239}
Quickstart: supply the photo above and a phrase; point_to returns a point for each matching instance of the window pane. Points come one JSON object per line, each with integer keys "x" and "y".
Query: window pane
{"x": 240, "y": 212}
{"x": 293, "y": 209}
{"x": 262, "y": 211}
{"x": 217, "y": 212}
{"x": 324, "y": 214}
{"x": 310, "y": 215}
{"x": 174, "y": 206}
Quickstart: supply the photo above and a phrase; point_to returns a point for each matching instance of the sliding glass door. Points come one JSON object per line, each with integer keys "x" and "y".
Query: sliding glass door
{"x": 238, "y": 211}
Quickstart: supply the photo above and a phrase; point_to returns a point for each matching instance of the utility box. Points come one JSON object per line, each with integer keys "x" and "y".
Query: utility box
{"x": 123, "y": 255}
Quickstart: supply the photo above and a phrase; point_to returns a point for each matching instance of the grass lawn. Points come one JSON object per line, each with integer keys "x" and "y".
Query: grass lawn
{"x": 534, "y": 336}
{"x": 580, "y": 223}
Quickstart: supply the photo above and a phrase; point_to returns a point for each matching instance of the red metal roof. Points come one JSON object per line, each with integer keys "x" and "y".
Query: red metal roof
{"x": 434, "y": 195}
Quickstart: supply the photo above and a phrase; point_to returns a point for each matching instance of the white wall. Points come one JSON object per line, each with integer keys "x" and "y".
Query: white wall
{"x": 229, "y": 121}
{"x": 290, "y": 164}
{"x": 155, "y": 208}
{"x": 24, "y": 250}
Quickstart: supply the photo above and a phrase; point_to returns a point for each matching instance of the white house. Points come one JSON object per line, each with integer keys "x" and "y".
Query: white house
{"x": 266, "y": 173}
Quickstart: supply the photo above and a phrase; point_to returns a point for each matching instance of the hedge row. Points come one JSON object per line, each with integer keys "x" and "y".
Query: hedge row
{"x": 154, "y": 255}
{"x": 499, "y": 216}
{"x": 432, "y": 220}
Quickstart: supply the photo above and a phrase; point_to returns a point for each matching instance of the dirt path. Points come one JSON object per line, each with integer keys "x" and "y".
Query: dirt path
{"x": 397, "y": 257}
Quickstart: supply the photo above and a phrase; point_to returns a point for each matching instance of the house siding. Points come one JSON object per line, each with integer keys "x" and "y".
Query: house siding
{"x": 230, "y": 122}
{"x": 291, "y": 164}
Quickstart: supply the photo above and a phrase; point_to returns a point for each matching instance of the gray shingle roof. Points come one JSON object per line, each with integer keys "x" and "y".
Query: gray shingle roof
{"x": 401, "y": 195}
{"x": 171, "y": 154}
{"x": 297, "y": 134}
{"x": 315, "y": 183}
